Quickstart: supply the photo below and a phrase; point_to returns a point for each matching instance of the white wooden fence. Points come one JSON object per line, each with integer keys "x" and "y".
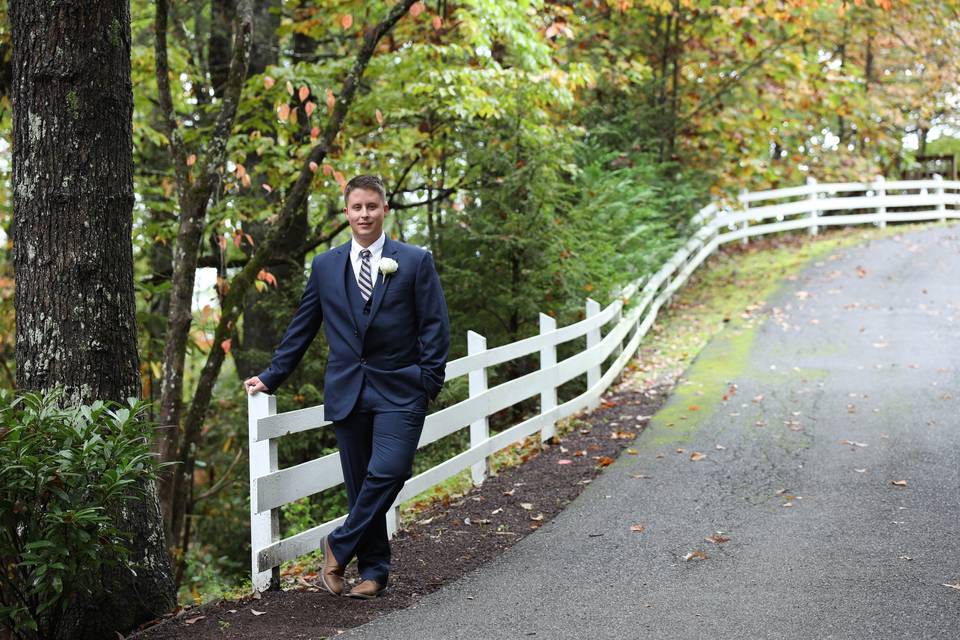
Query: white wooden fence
{"x": 614, "y": 330}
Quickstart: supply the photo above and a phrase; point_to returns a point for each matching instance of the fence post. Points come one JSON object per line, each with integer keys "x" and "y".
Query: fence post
{"x": 879, "y": 185}
{"x": 393, "y": 520}
{"x": 743, "y": 225}
{"x": 265, "y": 526}
{"x": 814, "y": 212}
{"x": 593, "y": 339}
{"x": 480, "y": 429}
{"x": 941, "y": 205}
{"x": 548, "y": 397}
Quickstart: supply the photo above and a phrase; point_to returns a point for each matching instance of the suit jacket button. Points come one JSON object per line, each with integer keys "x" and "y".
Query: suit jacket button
{"x": 356, "y": 333}
{"x": 363, "y": 361}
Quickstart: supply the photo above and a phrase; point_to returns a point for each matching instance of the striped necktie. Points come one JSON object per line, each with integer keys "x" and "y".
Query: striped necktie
{"x": 365, "y": 282}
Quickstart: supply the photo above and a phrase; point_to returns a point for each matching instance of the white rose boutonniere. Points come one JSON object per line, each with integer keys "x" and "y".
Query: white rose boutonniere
{"x": 388, "y": 266}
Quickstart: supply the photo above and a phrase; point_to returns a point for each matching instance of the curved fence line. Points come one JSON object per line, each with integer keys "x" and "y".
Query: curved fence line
{"x": 614, "y": 331}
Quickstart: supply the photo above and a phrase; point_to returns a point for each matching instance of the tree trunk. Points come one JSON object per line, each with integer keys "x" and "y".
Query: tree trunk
{"x": 73, "y": 254}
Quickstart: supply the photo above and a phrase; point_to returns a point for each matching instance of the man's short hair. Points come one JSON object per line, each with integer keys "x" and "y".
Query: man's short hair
{"x": 370, "y": 183}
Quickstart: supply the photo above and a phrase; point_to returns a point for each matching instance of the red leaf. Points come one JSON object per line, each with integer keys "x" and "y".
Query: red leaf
{"x": 346, "y": 21}
{"x": 417, "y": 8}
{"x": 225, "y": 345}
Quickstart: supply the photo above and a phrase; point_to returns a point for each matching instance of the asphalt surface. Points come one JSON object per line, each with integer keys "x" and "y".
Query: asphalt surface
{"x": 846, "y": 382}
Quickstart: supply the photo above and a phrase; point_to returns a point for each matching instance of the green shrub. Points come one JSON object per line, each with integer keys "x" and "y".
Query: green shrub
{"x": 64, "y": 471}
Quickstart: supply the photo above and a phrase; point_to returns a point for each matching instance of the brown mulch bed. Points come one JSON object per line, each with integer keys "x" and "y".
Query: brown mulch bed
{"x": 447, "y": 540}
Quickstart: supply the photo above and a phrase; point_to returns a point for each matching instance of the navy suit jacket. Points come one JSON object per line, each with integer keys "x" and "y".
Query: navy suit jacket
{"x": 402, "y": 352}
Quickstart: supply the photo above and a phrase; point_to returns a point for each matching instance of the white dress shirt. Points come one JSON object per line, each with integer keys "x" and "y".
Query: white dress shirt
{"x": 376, "y": 250}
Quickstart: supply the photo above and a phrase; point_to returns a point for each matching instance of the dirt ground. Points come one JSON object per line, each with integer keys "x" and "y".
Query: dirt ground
{"x": 446, "y": 541}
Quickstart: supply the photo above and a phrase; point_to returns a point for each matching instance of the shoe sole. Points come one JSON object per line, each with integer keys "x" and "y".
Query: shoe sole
{"x": 364, "y": 596}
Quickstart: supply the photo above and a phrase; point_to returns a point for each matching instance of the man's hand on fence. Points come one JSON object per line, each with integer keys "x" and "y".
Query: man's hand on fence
{"x": 253, "y": 385}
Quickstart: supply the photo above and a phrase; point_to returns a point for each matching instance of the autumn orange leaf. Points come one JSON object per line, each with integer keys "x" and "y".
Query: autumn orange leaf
{"x": 437, "y": 23}
{"x": 417, "y": 8}
{"x": 313, "y": 166}
{"x": 304, "y": 92}
{"x": 267, "y": 277}
{"x": 268, "y": 82}
{"x": 695, "y": 555}
{"x": 309, "y": 108}
{"x": 346, "y": 21}
{"x": 340, "y": 180}
{"x": 331, "y": 99}
{"x": 283, "y": 111}
{"x": 314, "y": 133}
{"x": 379, "y": 117}
{"x": 639, "y": 528}
{"x": 604, "y": 461}
{"x": 225, "y": 345}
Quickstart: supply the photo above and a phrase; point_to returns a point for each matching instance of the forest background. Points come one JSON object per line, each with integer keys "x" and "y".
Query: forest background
{"x": 543, "y": 151}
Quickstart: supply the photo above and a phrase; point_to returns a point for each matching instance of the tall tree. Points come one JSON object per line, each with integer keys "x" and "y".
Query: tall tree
{"x": 73, "y": 258}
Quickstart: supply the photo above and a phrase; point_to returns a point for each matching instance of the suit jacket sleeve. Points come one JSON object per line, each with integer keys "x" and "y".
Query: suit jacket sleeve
{"x": 434, "y": 326}
{"x": 298, "y": 336}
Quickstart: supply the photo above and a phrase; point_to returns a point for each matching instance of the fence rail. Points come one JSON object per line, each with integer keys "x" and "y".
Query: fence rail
{"x": 809, "y": 206}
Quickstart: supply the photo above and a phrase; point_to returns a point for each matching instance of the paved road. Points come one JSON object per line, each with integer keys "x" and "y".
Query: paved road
{"x": 862, "y": 348}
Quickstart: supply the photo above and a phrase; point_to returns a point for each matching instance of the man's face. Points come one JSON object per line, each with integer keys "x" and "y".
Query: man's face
{"x": 365, "y": 212}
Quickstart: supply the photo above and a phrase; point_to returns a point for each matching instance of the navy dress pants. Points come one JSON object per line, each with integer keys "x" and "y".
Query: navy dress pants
{"x": 377, "y": 441}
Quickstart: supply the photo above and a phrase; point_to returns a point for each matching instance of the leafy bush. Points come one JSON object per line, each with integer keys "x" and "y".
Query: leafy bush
{"x": 65, "y": 470}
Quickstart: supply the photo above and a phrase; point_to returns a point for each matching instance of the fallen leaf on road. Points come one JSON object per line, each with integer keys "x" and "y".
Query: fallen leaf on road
{"x": 694, "y": 407}
{"x": 719, "y": 446}
{"x": 695, "y": 555}
{"x": 899, "y": 483}
{"x": 496, "y": 511}
{"x": 696, "y": 455}
{"x": 881, "y": 344}
{"x": 257, "y": 613}
{"x": 526, "y": 505}
{"x": 639, "y": 528}
{"x": 564, "y": 461}
{"x": 509, "y": 493}
{"x": 952, "y": 586}
{"x": 537, "y": 518}
{"x": 639, "y": 476}
{"x": 853, "y": 443}
{"x": 604, "y": 461}
{"x": 632, "y": 452}
{"x": 861, "y": 272}
{"x": 906, "y": 558}
{"x": 192, "y": 620}
{"x": 717, "y": 539}
{"x": 787, "y": 504}
{"x": 623, "y": 435}
{"x": 860, "y": 470}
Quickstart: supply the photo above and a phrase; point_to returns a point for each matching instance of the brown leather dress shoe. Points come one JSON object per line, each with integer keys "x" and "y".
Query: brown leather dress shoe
{"x": 367, "y": 589}
{"x": 332, "y": 576}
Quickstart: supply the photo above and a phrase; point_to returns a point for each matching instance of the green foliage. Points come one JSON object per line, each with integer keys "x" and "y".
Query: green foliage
{"x": 66, "y": 471}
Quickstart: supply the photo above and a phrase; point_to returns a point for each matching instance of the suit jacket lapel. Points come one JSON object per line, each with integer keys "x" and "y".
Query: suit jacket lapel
{"x": 343, "y": 263}
{"x": 389, "y": 251}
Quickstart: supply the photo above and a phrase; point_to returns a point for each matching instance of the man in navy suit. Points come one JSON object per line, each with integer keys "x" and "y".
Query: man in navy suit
{"x": 389, "y": 335}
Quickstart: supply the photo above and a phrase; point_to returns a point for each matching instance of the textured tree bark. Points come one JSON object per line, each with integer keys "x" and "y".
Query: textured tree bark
{"x": 73, "y": 255}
